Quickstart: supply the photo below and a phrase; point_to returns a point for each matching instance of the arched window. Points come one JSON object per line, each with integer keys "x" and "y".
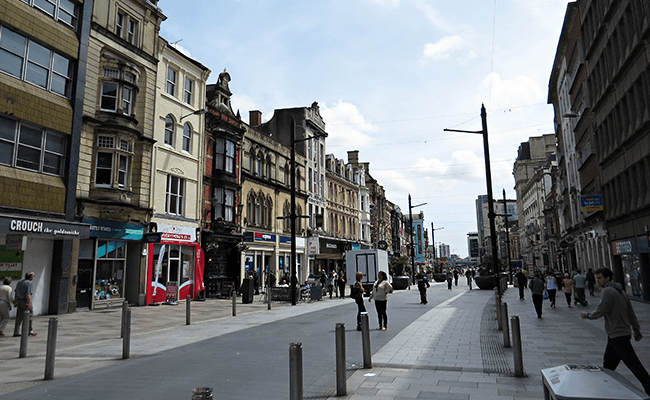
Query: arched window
{"x": 298, "y": 220}
{"x": 251, "y": 162}
{"x": 250, "y": 208}
{"x": 187, "y": 138}
{"x": 267, "y": 168}
{"x": 170, "y": 130}
{"x": 258, "y": 164}
{"x": 258, "y": 210}
{"x": 268, "y": 209}
{"x": 287, "y": 173}
{"x": 286, "y": 213}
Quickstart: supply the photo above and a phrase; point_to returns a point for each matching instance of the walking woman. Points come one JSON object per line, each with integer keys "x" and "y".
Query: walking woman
{"x": 551, "y": 287}
{"x": 380, "y": 291}
{"x": 357, "y": 294}
{"x": 567, "y": 282}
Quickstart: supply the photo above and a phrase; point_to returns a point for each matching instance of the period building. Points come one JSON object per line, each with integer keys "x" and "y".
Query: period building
{"x": 115, "y": 155}
{"x": 266, "y": 191}
{"x": 43, "y": 50}
{"x": 175, "y": 261}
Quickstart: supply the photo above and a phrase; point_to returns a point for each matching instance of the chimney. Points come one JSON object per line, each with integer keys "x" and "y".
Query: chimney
{"x": 353, "y": 157}
{"x": 255, "y": 117}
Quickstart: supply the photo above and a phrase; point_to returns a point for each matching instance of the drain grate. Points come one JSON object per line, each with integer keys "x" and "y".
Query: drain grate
{"x": 493, "y": 357}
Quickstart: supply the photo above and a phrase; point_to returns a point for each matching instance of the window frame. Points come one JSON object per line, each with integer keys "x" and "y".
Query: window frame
{"x": 121, "y": 158}
{"x": 170, "y": 130}
{"x": 171, "y": 84}
{"x": 58, "y": 10}
{"x": 126, "y": 27}
{"x": 188, "y": 94}
{"x": 123, "y": 99}
{"x": 175, "y": 195}
{"x": 187, "y": 137}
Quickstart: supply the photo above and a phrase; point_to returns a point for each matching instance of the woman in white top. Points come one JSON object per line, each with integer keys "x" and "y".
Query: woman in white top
{"x": 551, "y": 287}
{"x": 380, "y": 291}
{"x": 6, "y": 300}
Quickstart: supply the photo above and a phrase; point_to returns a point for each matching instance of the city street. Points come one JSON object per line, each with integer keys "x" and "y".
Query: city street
{"x": 448, "y": 349}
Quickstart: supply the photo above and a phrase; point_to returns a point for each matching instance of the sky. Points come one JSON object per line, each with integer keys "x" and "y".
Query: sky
{"x": 389, "y": 76}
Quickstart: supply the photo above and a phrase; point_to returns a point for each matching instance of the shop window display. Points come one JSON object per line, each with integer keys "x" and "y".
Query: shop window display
{"x": 172, "y": 263}
{"x": 109, "y": 277}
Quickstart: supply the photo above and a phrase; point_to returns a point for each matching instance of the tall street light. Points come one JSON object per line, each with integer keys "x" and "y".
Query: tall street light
{"x": 435, "y": 262}
{"x": 505, "y": 216}
{"x": 412, "y": 241}
{"x": 488, "y": 179}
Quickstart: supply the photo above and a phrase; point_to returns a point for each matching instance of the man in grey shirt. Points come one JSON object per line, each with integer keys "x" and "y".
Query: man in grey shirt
{"x": 23, "y": 295}
{"x": 579, "y": 281}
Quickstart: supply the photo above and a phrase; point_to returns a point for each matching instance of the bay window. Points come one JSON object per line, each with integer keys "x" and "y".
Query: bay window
{"x": 113, "y": 162}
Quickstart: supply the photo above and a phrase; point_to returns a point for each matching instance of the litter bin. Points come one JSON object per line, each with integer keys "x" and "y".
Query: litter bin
{"x": 247, "y": 291}
{"x": 582, "y": 382}
{"x": 316, "y": 292}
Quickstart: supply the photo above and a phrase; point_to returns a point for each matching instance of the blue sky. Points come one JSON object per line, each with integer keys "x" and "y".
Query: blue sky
{"x": 389, "y": 76}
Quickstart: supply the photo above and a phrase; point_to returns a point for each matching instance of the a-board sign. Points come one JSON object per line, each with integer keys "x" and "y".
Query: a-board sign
{"x": 172, "y": 291}
{"x": 226, "y": 289}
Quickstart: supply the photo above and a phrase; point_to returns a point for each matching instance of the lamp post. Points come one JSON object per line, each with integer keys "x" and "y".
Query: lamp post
{"x": 505, "y": 216}
{"x": 488, "y": 179}
{"x": 435, "y": 263}
{"x": 412, "y": 240}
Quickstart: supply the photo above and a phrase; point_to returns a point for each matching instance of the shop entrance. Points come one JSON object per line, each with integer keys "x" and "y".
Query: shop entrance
{"x": 84, "y": 283}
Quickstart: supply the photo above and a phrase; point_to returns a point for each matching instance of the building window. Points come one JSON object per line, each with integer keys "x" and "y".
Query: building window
{"x": 172, "y": 76}
{"x": 224, "y": 204}
{"x": 33, "y": 63}
{"x": 175, "y": 194}
{"x": 117, "y": 91}
{"x": 225, "y": 155}
{"x": 29, "y": 147}
{"x": 189, "y": 89}
{"x": 187, "y": 138}
{"x": 170, "y": 130}
{"x": 113, "y": 162}
{"x": 64, "y": 11}
{"x": 126, "y": 27}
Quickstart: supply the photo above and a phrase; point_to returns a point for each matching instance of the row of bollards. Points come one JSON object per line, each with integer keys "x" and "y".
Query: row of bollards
{"x": 503, "y": 325}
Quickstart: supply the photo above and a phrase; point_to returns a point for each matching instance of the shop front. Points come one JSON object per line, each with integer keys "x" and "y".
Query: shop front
{"x": 110, "y": 262}
{"x": 266, "y": 251}
{"x": 330, "y": 254}
{"x": 175, "y": 265}
{"x": 48, "y": 247}
{"x": 631, "y": 261}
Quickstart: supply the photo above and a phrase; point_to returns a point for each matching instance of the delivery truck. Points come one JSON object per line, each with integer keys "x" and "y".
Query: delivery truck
{"x": 370, "y": 262}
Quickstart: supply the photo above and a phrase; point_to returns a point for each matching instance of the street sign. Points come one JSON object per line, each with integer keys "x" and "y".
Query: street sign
{"x": 382, "y": 245}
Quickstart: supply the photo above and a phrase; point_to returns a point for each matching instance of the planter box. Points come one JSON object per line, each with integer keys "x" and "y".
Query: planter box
{"x": 400, "y": 282}
{"x": 440, "y": 277}
{"x": 484, "y": 282}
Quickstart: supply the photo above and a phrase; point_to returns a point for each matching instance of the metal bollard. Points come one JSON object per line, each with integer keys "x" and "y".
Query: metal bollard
{"x": 125, "y": 306}
{"x": 516, "y": 344}
{"x": 341, "y": 388}
{"x": 188, "y": 311}
{"x": 506, "y": 329}
{"x": 234, "y": 303}
{"x": 295, "y": 371}
{"x": 51, "y": 348}
{"x": 498, "y": 306}
{"x": 126, "y": 340}
{"x": 365, "y": 340}
{"x": 24, "y": 335}
{"x": 202, "y": 393}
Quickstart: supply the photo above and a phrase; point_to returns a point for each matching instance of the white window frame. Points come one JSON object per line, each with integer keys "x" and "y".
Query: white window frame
{"x": 120, "y": 152}
{"x": 188, "y": 91}
{"x": 175, "y": 195}
{"x": 122, "y": 101}
{"x": 170, "y": 130}
{"x": 172, "y": 81}
{"x": 60, "y": 10}
{"x": 187, "y": 137}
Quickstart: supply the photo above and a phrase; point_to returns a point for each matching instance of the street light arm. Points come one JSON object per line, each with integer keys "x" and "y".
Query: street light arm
{"x": 462, "y": 131}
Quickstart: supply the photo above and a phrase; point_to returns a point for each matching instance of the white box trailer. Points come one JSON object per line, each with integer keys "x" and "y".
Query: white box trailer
{"x": 370, "y": 262}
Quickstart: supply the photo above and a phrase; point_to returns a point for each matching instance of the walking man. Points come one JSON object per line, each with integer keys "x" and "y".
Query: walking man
{"x": 580, "y": 281}
{"x": 24, "y": 294}
{"x": 536, "y": 287}
{"x": 522, "y": 280}
{"x": 619, "y": 315}
{"x": 423, "y": 284}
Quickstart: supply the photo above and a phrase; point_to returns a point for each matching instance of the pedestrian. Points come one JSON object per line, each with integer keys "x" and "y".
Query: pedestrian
{"x": 330, "y": 283}
{"x": 335, "y": 280}
{"x": 456, "y": 277}
{"x": 579, "y": 281}
{"x": 551, "y": 287}
{"x": 468, "y": 275}
{"x": 522, "y": 280}
{"x": 567, "y": 284}
{"x": 591, "y": 281}
{"x": 423, "y": 284}
{"x": 256, "y": 282}
{"x": 634, "y": 282}
{"x": 536, "y": 287}
{"x": 356, "y": 292}
{"x": 341, "y": 283}
{"x": 380, "y": 290}
{"x": 323, "y": 278}
{"x": 24, "y": 297}
{"x": 619, "y": 315}
{"x": 6, "y": 300}
{"x": 449, "y": 278}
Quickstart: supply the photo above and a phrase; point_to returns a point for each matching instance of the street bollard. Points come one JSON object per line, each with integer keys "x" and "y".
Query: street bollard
{"x": 295, "y": 371}
{"x": 506, "y": 329}
{"x": 234, "y": 303}
{"x": 24, "y": 335}
{"x": 187, "y": 310}
{"x": 126, "y": 340}
{"x": 516, "y": 344}
{"x": 498, "y": 306}
{"x": 365, "y": 340}
{"x": 202, "y": 393}
{"x": 51, "y": 348}
{"x": 268, "y": 291}
{"x": 341, "y": 389}
{"x": 125, "y": 306}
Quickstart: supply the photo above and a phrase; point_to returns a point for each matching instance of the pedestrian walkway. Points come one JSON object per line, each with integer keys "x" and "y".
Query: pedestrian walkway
{"x": 449, "y": 352}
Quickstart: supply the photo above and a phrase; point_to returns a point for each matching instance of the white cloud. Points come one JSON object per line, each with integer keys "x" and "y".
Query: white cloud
{"x": 346, "y": 126}
{"x": 521, "y": 90}
{"x": 443, "y": 48}
{"x": 244, "y": 104}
